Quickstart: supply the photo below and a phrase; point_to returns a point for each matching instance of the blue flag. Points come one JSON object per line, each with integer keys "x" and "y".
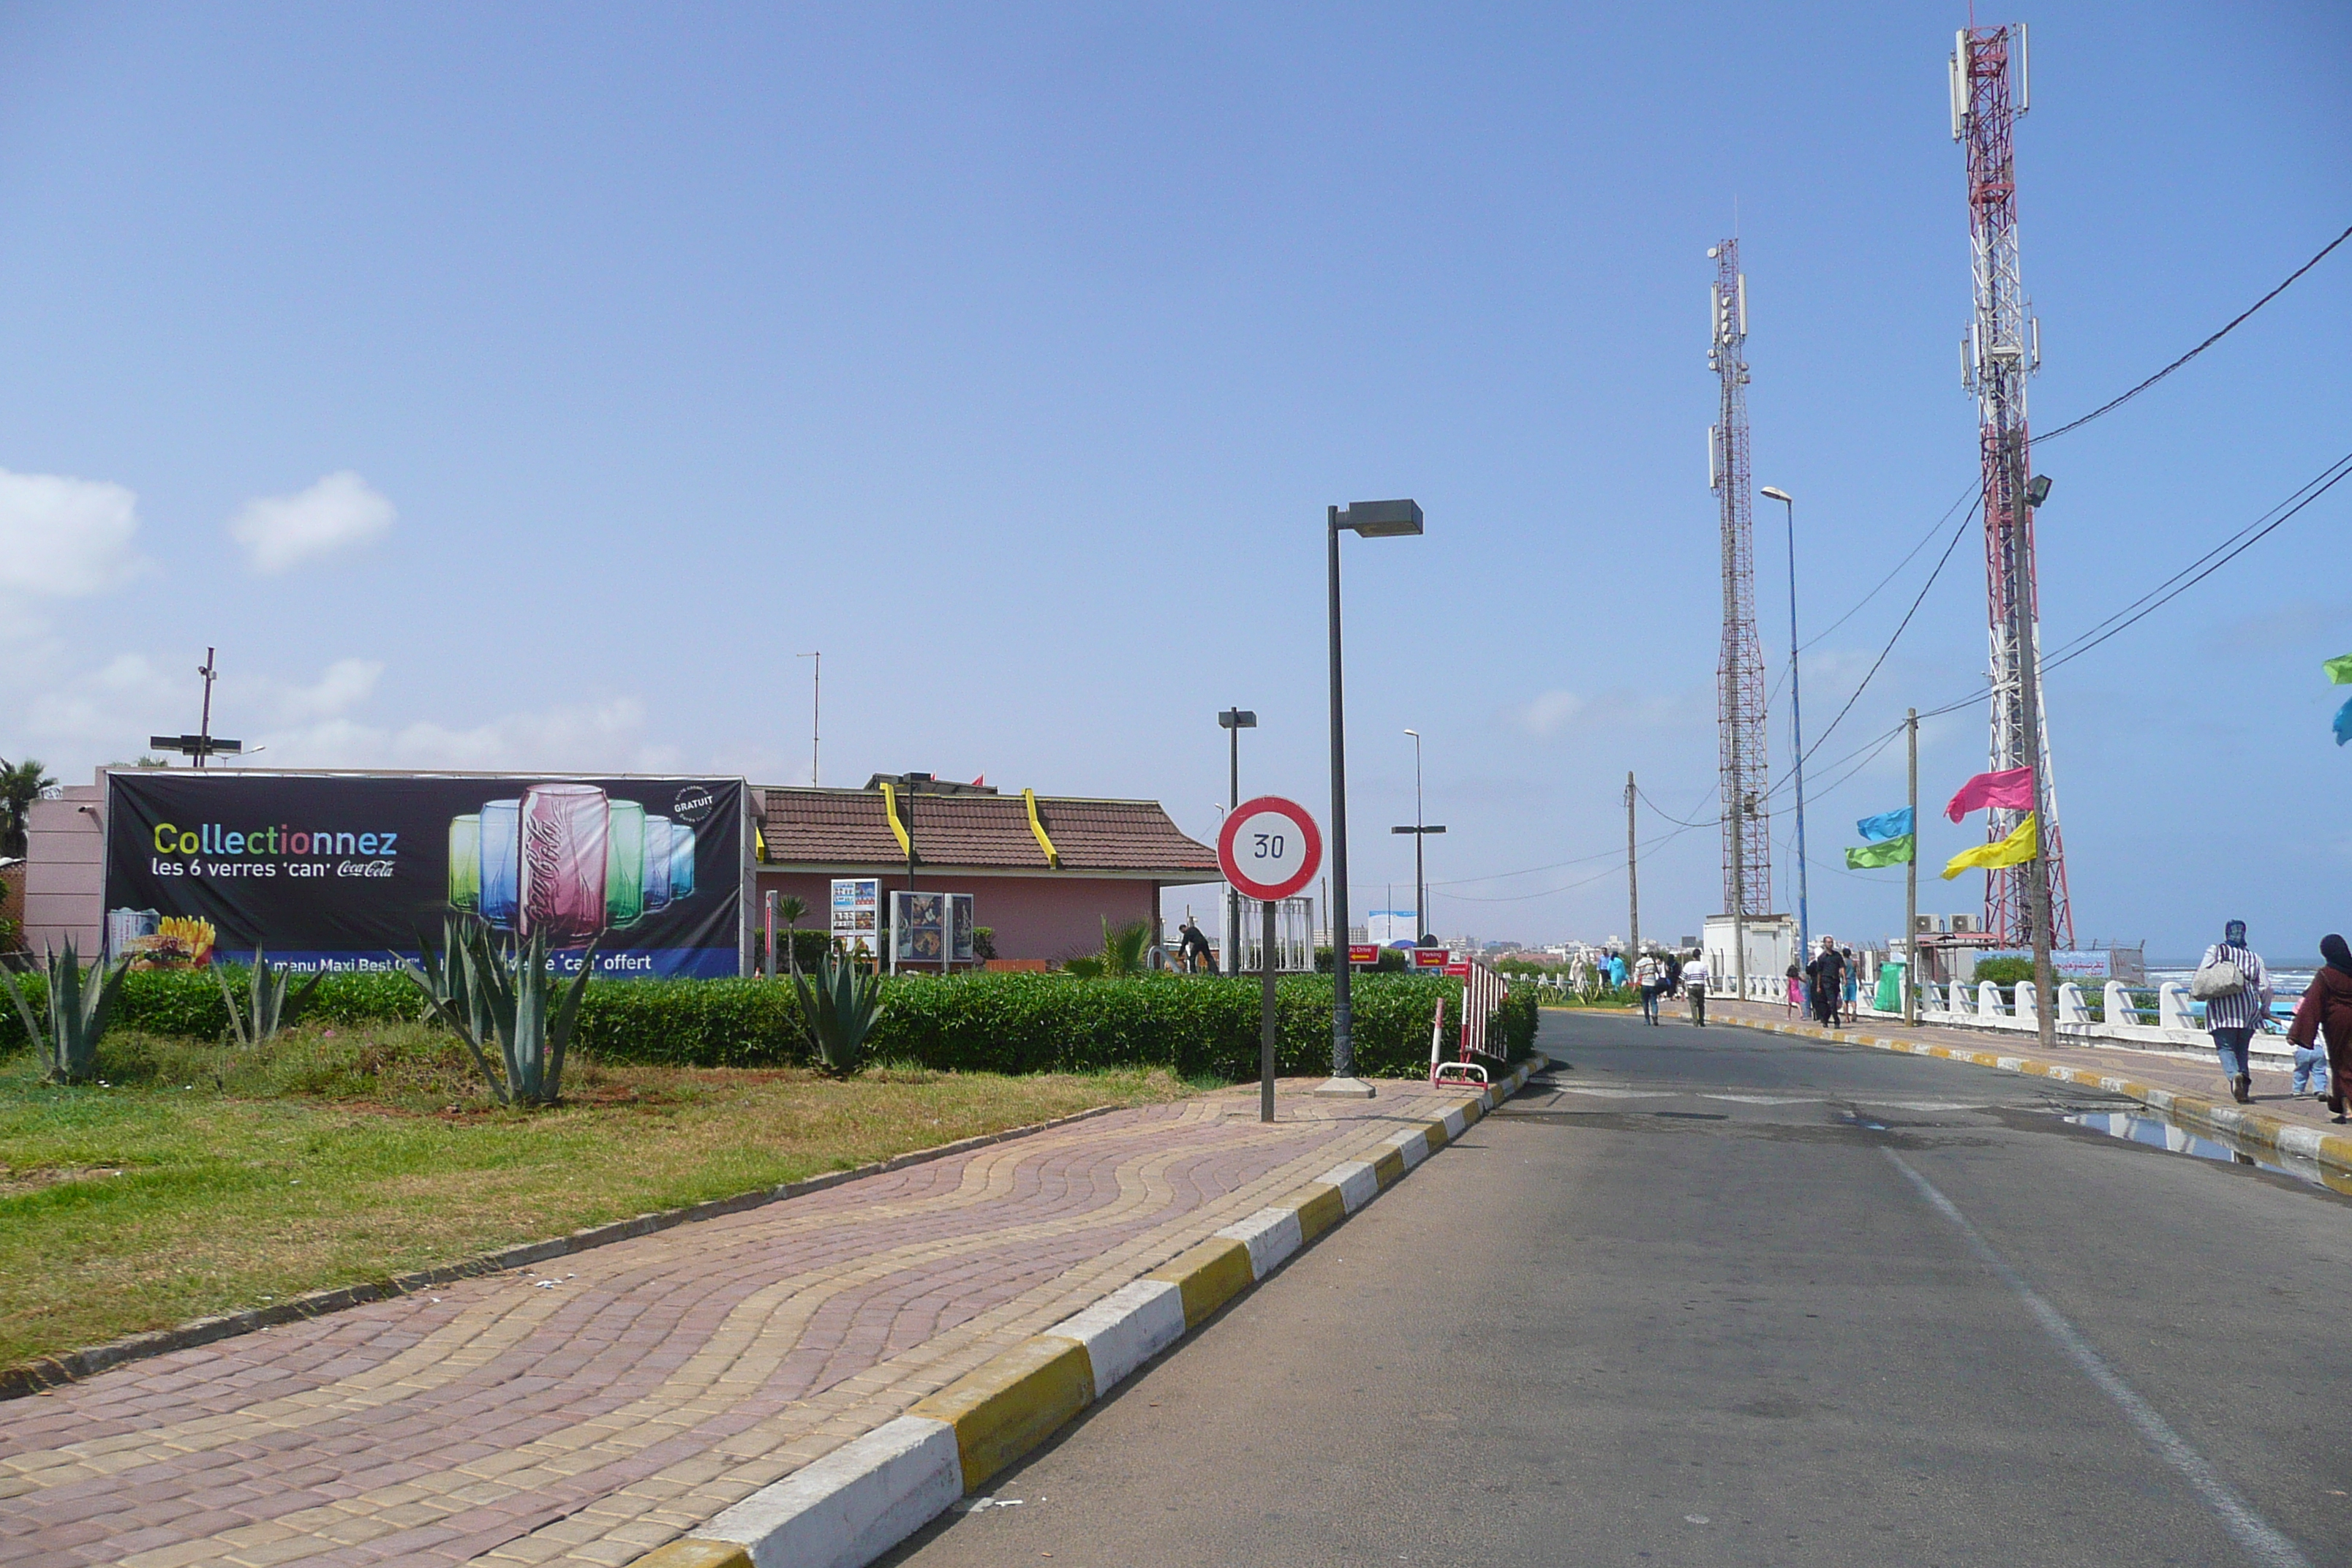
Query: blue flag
{"x": 2343, "y": 723}
{"x": 1885, "y": 826}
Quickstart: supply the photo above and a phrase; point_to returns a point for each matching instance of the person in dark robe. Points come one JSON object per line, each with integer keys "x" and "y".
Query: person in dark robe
{"x": 2326, "y": 1009}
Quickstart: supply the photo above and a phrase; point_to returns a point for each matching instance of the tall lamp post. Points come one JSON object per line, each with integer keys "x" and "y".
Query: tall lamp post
{"x": 1796, "y": 727}
{"x": 1419, "y": 830}
{"x": 1233, "y": 721}
{"x": 1370, "y": 520}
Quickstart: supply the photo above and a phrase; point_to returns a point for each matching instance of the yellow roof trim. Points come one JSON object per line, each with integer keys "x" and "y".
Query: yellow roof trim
{"x": 890, "y": 815}
{"x": 1053, "y": 855}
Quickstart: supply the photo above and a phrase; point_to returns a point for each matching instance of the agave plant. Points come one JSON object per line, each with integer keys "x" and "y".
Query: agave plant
{"x": 486, "y": 992}
{"x": 841, "y": 1009}
{"x": 1122, "y": 954}
{"x": 265, "y": 1011}
{"x": 79, "y": 1000}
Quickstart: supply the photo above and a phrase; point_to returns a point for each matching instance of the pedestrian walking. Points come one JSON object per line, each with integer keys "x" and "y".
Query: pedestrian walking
{"x": 2236, "y": 990}
{"x": 1616, "y": 971}
{"x": 1694, "y": 979}
{"x": 1651, "y": 976}
{"x": 1674, "y": 975}
{"x": 2326, "y": 1007}
{"x": 1796, "y": 988}
{"x": 1852, "y": 983}
{"x": 1826, "y": 978}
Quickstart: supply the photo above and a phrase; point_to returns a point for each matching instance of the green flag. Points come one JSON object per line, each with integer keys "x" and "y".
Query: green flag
{"x": 2339, "y": 670}
{"x": 1885, "y": 852}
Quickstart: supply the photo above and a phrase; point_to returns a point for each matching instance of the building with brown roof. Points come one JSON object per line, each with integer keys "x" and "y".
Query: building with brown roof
{"x": 1045, "y": 871}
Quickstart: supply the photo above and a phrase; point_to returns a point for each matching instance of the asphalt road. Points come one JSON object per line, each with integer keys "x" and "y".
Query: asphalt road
{"x": 1708, "y": 1297}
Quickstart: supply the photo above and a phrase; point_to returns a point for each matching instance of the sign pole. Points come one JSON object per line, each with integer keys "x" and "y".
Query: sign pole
{"x": 1268, "y": 849}
{"x": 1266, "y": 1022}
{"x": 1911, "y": 884}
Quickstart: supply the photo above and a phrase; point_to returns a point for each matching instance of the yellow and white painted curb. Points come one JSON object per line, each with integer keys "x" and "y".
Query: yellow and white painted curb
{"x": 855, "y": 1503}
{"x": 2331, "y": 1152}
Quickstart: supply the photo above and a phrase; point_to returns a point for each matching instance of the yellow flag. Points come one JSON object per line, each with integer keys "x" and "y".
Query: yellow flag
{"x": 2014, "y": 850}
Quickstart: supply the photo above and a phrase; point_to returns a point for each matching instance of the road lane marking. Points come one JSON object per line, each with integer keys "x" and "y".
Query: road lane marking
{"x": 2263, "y": 1543}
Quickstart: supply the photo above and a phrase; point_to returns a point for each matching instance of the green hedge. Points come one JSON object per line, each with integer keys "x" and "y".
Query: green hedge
{"x": 997, "y": 1023}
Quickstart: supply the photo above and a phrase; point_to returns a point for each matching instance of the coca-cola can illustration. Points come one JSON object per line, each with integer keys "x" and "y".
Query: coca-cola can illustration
{"x": 564, "y": 826}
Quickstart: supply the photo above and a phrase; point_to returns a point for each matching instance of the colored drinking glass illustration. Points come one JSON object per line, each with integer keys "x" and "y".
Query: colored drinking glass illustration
{"x": 624, "y": 863}
{"x": 681, "y": 862}
{"x": 466, "y": 861}
{"x": 563, "y": 847}
{"x": 657, "y": 862}
{"x": 500, "y": 881}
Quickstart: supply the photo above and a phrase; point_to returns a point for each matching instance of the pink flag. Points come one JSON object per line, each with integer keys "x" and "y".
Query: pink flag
{"x": 2011, "y": 791}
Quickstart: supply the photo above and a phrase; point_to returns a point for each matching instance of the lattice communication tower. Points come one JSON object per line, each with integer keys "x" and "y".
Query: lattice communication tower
{"x": 1739, "y": 669}
{"x": 1990, "y": 90}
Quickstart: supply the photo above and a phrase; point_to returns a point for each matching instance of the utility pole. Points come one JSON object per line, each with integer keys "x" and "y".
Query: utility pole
{"x": 1633, "y": 884}
{"x": 1796, "y": 729}
{"x": 816, "y": 709}
{"x": 204, "y": 729}
{"x": 1911, "y": 881}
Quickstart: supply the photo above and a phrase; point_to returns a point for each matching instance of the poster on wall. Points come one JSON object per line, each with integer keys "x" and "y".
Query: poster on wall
{"x": 857, "y": 913}
{"x": 931, "y": 928}
{"x": 343, "y": 872}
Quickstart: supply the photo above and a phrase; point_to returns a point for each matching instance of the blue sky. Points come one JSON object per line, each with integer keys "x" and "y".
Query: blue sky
{"x": 525, "y": 387}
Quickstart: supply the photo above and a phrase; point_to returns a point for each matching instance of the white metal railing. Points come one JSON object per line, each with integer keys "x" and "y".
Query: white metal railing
{"x": 1981, "y": 1006}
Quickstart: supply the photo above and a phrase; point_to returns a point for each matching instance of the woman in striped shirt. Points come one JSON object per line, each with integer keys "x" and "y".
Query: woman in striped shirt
{"x": 2231, "y": 1020}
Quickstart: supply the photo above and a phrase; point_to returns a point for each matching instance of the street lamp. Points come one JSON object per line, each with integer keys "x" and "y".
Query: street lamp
{"x": 1419, "y": 830}
{"x": 1233, "y": 721}
{"x": 1370, "y": 519}
{"x": 1796, "y": 725}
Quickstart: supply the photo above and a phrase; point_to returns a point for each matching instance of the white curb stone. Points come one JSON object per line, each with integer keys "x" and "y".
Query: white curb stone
{"x": 1271, "y": 1235}
{"x": 1413, "y": 1145}
{"x": 850, "y": 1507}
{"x": 1126, "y": 1329}
{"x": 1358, "y": 1182}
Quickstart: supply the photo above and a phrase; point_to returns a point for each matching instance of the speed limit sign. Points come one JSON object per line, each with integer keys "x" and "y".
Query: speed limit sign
{"x": 1269, "y": 847}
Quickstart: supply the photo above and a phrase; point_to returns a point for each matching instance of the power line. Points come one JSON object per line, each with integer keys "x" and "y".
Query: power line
{"x": 1899, "y": 629}
{"x": 2114, "y": 403}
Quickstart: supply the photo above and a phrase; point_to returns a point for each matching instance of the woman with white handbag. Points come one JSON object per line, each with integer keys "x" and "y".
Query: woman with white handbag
{"x": 2236, "y": 990}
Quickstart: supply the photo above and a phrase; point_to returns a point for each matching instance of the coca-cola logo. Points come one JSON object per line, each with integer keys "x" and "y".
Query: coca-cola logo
{"x": 693, "y": 803}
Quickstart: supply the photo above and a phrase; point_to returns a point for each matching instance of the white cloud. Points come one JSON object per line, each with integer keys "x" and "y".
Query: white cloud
{"x": 341, "y": 687}
{"x": 340, "y": 512}
{"x": 66, "y": 538}
{"x": 608, "y": 736}
{"x": 1550, "y": 711}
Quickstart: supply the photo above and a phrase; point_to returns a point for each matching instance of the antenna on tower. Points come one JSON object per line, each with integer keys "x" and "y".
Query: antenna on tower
{"x": 2003, "y": 349}
{"x": 1739, "y": 671}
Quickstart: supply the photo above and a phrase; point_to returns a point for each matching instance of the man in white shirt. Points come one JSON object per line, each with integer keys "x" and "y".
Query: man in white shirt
{"x": 1694, "y": 979}
{"x": 1651, "y": 976}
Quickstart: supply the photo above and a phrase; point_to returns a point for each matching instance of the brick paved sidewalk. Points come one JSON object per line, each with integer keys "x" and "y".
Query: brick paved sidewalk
{"x": 2183, "y": 1073}
{"x": 589, "y": 1411}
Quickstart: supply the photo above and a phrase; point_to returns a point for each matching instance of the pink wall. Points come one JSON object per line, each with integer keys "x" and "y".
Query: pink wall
{"x": 1034, "y": 917}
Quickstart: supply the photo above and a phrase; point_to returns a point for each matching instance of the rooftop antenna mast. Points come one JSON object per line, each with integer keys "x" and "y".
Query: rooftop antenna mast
{"x": 1989, "y": 88}
{"x": 1739, "y": 669}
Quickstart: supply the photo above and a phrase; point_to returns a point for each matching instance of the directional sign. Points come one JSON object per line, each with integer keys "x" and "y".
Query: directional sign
{"x": 1431, "y": 958}
{"x": 1269, "y": 848}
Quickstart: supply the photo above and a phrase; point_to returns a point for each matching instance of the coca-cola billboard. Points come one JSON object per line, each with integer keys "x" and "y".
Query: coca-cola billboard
{"x": 345, "y": 871}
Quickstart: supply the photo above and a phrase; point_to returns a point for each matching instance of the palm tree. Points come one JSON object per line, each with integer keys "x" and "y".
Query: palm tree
{"x": 20, "y": 787}
{"x": 1123, "y": 953}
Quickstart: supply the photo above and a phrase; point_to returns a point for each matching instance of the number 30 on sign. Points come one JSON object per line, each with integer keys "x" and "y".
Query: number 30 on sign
{"x": 1269, "y": 847}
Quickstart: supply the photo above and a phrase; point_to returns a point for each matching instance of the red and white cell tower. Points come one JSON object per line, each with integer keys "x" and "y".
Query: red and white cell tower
{"x": 2003, "y": 348}
{"x": 1739, "y": 671}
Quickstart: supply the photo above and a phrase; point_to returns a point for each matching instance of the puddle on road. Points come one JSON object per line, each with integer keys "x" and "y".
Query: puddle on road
{"x": 2159, "y": 1132}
